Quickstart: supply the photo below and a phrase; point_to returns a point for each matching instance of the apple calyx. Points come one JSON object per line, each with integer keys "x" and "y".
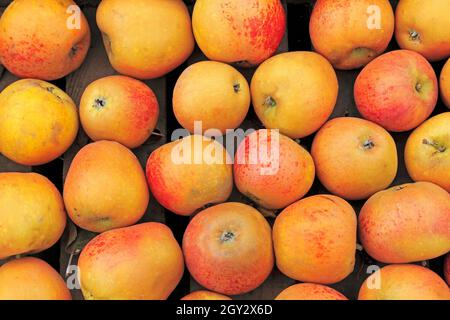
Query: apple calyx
{"x": 414, "y": 35}
{"x": 99, "y": 103}
{"x": 270, "y": 102}
{"x": 73, "y": 51}
{"x": 227, "y": 236}
{"x": 440, "y": 148}
{"x": 237, "y": 87}
{"x": 418, "y": 87}
{"x": 368, "y": 144}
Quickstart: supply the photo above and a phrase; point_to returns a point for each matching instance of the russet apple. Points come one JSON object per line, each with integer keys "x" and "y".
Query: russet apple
{"x": 145, "y": 39}
{"x": 424, "y": 28}
{"x": 272, "y": 169}
{"x": 119, "y": 108}
{"x": 32, "y": 215}
{"x": 190, "y": 173}
{"x": 211, "y": 92}
{"x": 228, "y": 248}
{"x": 406, "y": 223}
{"x": 38, "y": 122}
{"x": 427, "y": 151}
{"x": 310, "y": 291}
{"x": 43, "y": 39}
{"x": 141, "y": 262}
{"x": 294, "y": 92}
{"x": 444, "y": 82}
{"x": 354, "y": 157}
{"x": 398, "y": 90}
{"x": 404, "y": 282}
{"x": 351, "y": 33}
{"x": 105, "y": 187}
{"x": 205, "y": 295}
{"x": 241, "y": 32}
{"x": 31, "y": 279}
{"x": 315, "y": 239}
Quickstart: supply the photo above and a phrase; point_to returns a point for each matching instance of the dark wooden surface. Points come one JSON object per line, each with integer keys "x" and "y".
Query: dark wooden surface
{"x": 64, "y": 254}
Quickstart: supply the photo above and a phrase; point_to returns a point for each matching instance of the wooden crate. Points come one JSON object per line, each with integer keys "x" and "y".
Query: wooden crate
{"x": 64, "y": 254}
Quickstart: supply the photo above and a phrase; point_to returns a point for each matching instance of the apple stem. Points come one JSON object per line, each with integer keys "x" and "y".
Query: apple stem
{"x": 435, "y": 145}
{"x": 270, "y": 102}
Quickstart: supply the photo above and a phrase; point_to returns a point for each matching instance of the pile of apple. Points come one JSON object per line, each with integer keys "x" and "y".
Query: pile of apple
{"x": 229, "y": 248}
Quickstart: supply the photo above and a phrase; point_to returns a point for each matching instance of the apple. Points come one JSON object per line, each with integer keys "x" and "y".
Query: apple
{"x": 38, "y": 122}
{"x": 46, "y": 39}
{"x": 351, "y": 33}
{"x": 445, "y": 83}
{"x": 310, "y": 291}
{"x": 398, "y": 90}
{"x": 105, "y": 187}
{"x": 31, "y": 279}
{"x": 213, "y": 93}
{"x": 145, "y": 39}
{"x": 315, "y": 239}
{"x": 404, "y": 282}
{"x": 424, "y": 29}
{"x": 32, "y": 215}
{"x": 228, "y": 248}
{"x": 241, "y": 32}
{"x": 427, "y": 151}
{"x": 266, "y": 161}
{"x": 141, "y": 262}
{"x": 190, "y": 173}
{"x": 205, "y": 295}
{"x": 294, "y": 92}
{"x": 406, "y": 223}
{"x": 354, "y": 157}
{"x": 119, "y": 108}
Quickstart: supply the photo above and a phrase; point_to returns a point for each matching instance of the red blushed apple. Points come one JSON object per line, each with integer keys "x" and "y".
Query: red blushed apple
{"x": 397, "y": 90}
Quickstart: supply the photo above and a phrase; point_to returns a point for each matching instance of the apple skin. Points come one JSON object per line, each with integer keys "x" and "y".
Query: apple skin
{"x": 398, "y": 90}
{"x": 244, "y": 33}
{"x": 406, "y": 223}
{"x": 404, "y": 282}
{"x": 444, "y": 82}
{"x": 310, "y": 291}
{"x": 427, "y": 151}
{"x": 119, "y": 108}
{"x": 339, "y": 31}
{"x": 140, "y": 262}
{"x": 205, "y": 295}
{"x": 31, "y": 278}
{"x": 212, "y": 92}
{"x": 145, "y": 39}
{"x": 294, "y": 92}
{"x": 228, "y": 248}
{"x": 424, "y": 28}
{"x": 35, "y": 41}
{"x": 291, "y": 178}
{"x": 354, "y": 157}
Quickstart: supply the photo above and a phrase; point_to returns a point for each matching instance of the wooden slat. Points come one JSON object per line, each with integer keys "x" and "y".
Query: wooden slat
{"x": 94, "y": 67}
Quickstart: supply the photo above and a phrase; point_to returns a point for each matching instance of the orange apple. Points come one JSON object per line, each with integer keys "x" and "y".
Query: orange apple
{"x": 145, "y": 39}
{"x": 266, "y": 161}
{"x": 351, "y": 33}
{"x": 427, "y": 151}
{"x": 119, "y": 108}
{"x": 315, "y": 239}
{"x": 445, "y": 83}
{"x": 242, "y": 32}
{"x": 205, "y": 295}
{"x": 228, "y": 248}
{"x": 141, "y": 262}
{"x": 354, "y": 157}
{"x": 424, "y": 27}
{"x": 43, "y": 39}
{"x": 398, "y": 90}
{"x": 294, "y": 92}
{"x": 310, "y": 291}
{"x": 406, "y": 223}
{"x": 404, "y": 282}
